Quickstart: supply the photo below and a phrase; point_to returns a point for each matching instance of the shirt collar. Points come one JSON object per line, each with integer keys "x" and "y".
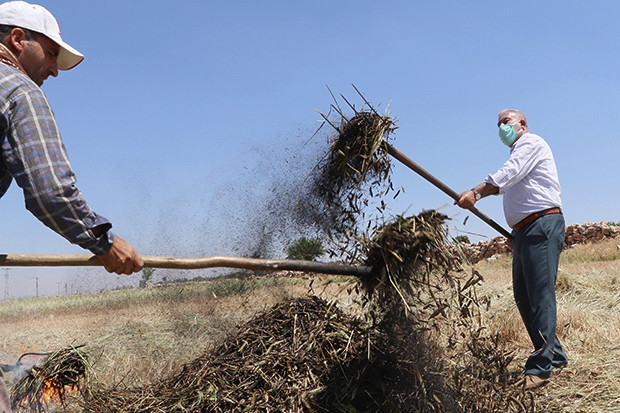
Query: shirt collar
{"x": 7, "y": 57}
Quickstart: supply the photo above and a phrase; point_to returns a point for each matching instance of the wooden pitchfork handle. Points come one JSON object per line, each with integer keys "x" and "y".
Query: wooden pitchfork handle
{"x": 447, "y": 190}
{"x": 82, "y": 260}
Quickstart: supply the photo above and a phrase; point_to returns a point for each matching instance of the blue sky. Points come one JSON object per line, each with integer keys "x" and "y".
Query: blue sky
{"x": 182, "y": 117}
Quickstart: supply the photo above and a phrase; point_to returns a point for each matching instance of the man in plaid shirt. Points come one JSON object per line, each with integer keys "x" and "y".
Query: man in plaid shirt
{"x": 31, "y": 149}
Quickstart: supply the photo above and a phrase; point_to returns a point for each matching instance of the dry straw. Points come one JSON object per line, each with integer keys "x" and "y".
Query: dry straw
{"x": 306, "y": 355}
{"x": 409, "y": 249}
{"x": 50, "y": 381}
{"x": 282, "y": 360}
{"x": 432, "y": 354}
{"x": 355, "y": 172}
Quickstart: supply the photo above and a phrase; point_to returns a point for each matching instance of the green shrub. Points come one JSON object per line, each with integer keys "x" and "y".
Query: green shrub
{"x": 147, "y": 274}
{"x": 463, "y": 239}
{"x": 307, "y": 249}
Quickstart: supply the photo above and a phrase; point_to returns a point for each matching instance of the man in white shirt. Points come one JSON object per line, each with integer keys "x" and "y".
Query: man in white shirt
{"x": 529, "y": 182}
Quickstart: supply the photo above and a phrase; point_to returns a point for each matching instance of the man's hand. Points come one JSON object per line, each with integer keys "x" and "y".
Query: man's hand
{"x": 466, "y": 200}
{"x": 122, "y": 258}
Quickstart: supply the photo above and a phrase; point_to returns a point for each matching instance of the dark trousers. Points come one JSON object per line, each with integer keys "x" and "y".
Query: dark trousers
{"x": 536, "y": 255}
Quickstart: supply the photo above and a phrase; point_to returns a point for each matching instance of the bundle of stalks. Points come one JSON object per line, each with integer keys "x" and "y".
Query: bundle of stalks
{"x": 357, "y": 154}
{"x": 409, "y": 249}
{"x": 356, "y": 169}
{"x": 50, "y": 381}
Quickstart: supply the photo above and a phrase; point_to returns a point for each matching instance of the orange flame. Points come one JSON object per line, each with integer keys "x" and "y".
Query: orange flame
{"x": 52, "y": 391}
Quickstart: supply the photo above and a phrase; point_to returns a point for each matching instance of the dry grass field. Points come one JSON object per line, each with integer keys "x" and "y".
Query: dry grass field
{"x": 141, "y": 335}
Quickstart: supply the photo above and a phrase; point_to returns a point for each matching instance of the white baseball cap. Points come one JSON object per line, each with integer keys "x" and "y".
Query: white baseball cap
{"x": 39, "y": 19}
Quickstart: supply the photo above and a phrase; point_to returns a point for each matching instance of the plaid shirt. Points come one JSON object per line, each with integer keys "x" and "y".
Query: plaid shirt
{"x": 34, "y": 154}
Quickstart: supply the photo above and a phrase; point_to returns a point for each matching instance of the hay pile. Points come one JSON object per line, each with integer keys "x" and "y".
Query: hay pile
{"x": 303, "y": 355}
{"x": 306, "y": 355}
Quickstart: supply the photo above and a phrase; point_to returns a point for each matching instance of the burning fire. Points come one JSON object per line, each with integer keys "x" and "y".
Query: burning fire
{"x": 50, "y": 381}
{"x": 54, "y": 392}
{"x": 50, "y": 392}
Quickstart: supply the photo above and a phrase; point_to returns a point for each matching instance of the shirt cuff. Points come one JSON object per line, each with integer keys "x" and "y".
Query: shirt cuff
{"x": 103, "y": 243}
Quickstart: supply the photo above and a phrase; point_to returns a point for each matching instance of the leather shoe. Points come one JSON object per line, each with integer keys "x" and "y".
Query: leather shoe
{"x": 532, "y": 382}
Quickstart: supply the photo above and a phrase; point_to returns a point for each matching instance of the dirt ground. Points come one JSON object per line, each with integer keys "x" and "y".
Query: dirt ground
{"x": 145, "y": 341}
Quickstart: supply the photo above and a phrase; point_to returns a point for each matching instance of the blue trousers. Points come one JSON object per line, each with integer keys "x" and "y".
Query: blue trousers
{"x": 536, "y": 255}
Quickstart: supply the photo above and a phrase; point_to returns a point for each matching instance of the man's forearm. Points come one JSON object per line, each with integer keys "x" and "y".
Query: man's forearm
{"x": 486, "y": 189}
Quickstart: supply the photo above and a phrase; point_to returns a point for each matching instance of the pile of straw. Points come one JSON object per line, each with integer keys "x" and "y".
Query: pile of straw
{"x": 303, "y": 355}
{"x": 306, "y": 355}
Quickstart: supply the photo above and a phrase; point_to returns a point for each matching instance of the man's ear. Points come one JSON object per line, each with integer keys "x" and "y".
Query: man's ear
{"x": 16, "y": 37}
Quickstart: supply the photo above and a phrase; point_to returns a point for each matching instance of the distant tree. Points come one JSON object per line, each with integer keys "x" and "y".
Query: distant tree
{"x": 614, "y": 224}
{"x": 307, "y": 249}
{"x": 463, "y": 239}
{"x": 147, "y": 274}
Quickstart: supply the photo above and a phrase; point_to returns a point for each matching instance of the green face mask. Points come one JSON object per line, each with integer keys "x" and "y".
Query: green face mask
{"x": 508, "y": 134}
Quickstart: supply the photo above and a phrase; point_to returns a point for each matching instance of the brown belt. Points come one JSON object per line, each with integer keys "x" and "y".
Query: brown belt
{"x": 531, "y": 218}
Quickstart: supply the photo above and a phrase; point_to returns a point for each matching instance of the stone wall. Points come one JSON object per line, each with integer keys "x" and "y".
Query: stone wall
{"x": 575, "y": 234}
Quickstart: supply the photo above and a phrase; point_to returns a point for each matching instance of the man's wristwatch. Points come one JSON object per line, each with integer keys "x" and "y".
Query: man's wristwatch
{"x": 477, "y": 195}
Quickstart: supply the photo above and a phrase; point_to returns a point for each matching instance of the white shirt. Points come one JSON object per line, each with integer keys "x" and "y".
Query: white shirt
{"x": 528, "y": 180}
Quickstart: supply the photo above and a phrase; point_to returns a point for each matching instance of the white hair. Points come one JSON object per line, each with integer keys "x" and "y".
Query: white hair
{"x": 517, "y": 112}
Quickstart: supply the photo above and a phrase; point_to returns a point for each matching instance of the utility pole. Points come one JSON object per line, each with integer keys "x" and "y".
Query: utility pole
{"x": 6, "y": 283}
